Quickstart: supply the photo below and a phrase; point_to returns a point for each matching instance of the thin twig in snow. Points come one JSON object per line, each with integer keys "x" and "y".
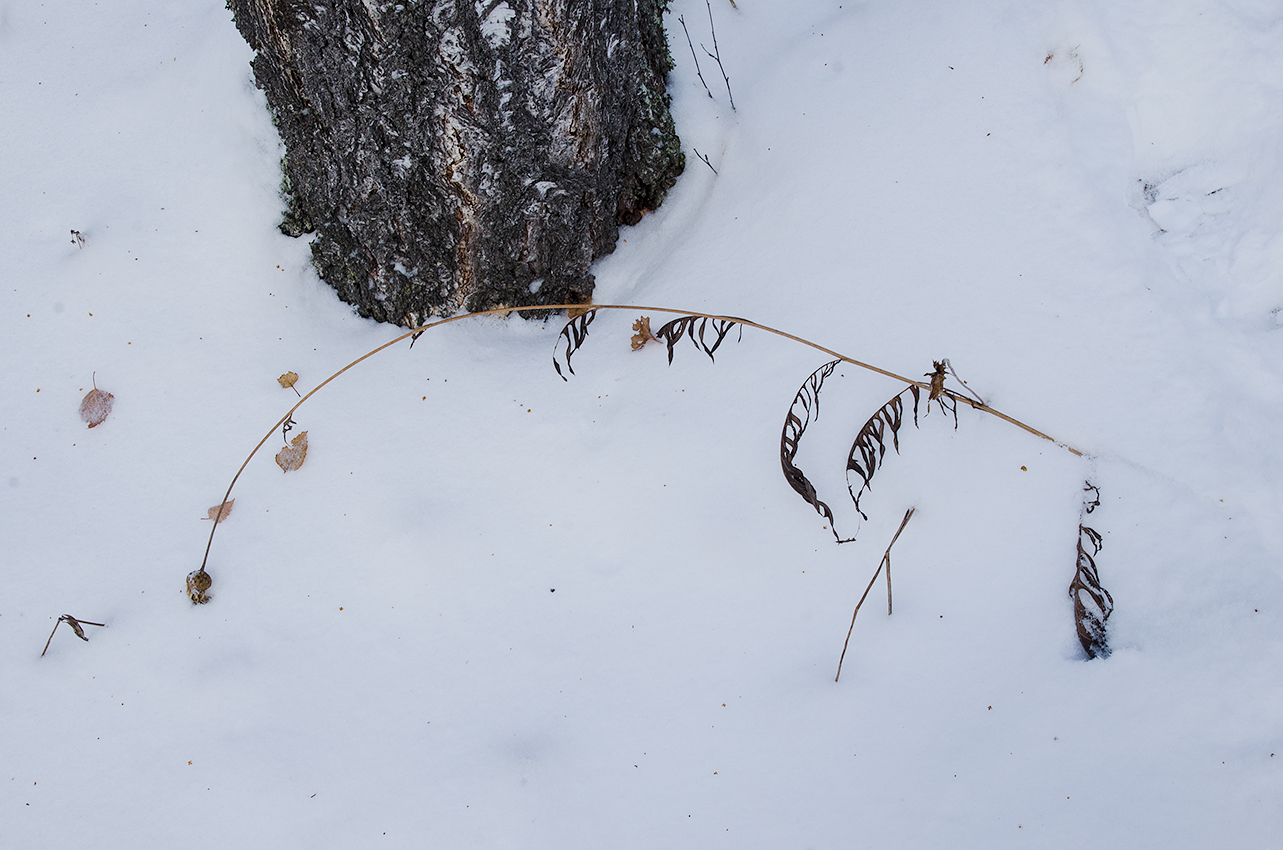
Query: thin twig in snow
{"x": 716, "y": 56}
{"x": 682, "y": 21}
{"x": 886, "y": 561}
{"x": 704, "y": 157}
{"x": 75, "y": 627}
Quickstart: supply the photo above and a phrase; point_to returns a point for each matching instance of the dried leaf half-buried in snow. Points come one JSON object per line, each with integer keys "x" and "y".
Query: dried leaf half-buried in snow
{"x": 291, "y": 457}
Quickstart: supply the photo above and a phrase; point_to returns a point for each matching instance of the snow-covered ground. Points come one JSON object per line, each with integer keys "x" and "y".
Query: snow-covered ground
{"x": 496, "y": 609}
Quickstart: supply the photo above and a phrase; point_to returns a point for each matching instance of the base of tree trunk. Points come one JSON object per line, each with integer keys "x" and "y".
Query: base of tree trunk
{"x": 464, "y": 154}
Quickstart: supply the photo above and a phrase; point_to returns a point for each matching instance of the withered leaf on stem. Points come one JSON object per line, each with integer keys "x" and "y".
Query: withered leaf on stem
{"x": 696, "y": 326}
{"x": 574, "y": 333}
{"x": 218, "y": 516}
{"x": 870, "y": 446}
{"x": 807, "y": 403}
{"x": 95, "y": 407}
{"x": 292, "y": 456}
{"x": 287, "y": 380}
{"x": 643, "y": 335}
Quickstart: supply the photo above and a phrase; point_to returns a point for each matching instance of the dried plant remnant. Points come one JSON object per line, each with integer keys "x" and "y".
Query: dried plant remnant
{"x": 574, "y": 333}
{"x": 805, "y": 407}
{"x": 938, "y": 393}
{"x": 96, "y": 406}
{"x": 1092, "y": 603}
{"x": 870, "y": 445}
{"x": 288, "y": 380}
{"x": 696, "y": 327}
{"x": 198, "y": 582}
{"x": 75, "y": 627}
{"x": 220, "y": 512}
{"x": 885, "y": 562}
{"x": 292, "y": 456}
{"x": 643, "y": 334}
{"x": 77, "y": 239}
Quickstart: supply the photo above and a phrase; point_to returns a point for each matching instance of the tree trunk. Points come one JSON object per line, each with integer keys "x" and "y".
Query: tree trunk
{"x": 458, "y": 154}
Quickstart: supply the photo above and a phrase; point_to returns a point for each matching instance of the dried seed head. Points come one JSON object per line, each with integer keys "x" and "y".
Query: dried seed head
{"x": 198, "y": 582}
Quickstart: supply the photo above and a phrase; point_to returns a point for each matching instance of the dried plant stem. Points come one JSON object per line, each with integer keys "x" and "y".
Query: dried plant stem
{"x": 415, "y": 332}
{"x": 716, "y": 55}
{"x": 698, "y": 73}
{"x": 885, "y": 562}
{"x": 75, "y": 625}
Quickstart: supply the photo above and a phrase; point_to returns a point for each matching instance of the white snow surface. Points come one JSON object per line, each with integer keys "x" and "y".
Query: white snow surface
{"x": 496, "y": 609}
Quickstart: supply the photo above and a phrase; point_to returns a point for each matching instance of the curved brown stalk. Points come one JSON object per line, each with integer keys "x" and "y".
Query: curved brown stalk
{"x": 415, "y": 332}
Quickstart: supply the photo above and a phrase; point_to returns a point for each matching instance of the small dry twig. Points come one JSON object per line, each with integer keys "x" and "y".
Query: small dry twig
{"x": 681, "y": 20}
{"x": 78, "y": 240}
{"x": 886, "y": 561}
{"x": 716, "y": 56}
{"x": 703, "y": 157}
{"x": 75, "y": 627}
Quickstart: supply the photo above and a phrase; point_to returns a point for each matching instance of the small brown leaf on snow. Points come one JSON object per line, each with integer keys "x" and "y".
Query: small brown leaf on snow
{"x": 218, "y": 516}
{"x": 291, "y": 457}
{"x": 287, "y": 380}
{"x": 95, "y": 407}
{"x": 643, "y": 335}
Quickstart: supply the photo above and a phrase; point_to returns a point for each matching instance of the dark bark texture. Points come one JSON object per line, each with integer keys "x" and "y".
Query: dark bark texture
{"x": 464, "y": 153}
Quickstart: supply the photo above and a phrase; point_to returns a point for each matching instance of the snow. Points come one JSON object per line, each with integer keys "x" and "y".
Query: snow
{"x": 496, "y": 609}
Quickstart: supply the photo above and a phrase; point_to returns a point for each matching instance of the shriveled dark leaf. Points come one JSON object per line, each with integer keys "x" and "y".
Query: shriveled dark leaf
{"x": 805, "y": 407}
{"x": 574, "y": 333}
{"x": 696, "y": 327}
{"x": 1092, "y": 603}
{"x": 870, "y": 445}
{"x": 75, "y": 626}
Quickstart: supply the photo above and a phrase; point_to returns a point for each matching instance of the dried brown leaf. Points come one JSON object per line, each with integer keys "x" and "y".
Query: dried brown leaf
{"x": 292, "y": 456}
{"x": 643, "y": 335}
{"x": 218, "y": 516}
{"x": 287, "y": 380}
{"x": 96, "y": 406}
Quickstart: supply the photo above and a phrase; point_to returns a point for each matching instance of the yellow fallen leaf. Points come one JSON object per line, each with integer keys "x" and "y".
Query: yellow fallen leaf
{"x": 218, "y": 516}
{"x": 291, "y": 457}
{"x": 288, "y": 380}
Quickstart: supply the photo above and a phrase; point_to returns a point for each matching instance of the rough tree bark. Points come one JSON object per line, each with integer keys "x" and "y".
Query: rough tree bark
{"x": 464, "y": 153}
